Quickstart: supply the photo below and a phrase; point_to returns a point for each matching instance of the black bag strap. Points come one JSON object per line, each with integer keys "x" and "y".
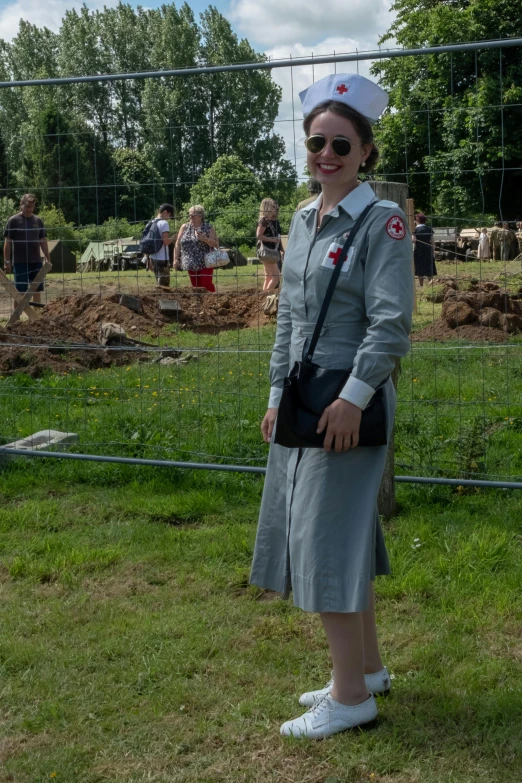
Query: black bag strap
{"x": 334, "y": 278}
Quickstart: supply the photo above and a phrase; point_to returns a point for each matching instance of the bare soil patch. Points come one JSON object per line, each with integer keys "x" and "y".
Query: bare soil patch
{"x": 66, "y": 336}
{"x": 484, "y": 312}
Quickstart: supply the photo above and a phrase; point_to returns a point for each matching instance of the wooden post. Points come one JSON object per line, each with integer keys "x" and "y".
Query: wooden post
{"x": 410, "y": 212}
{"x": 386, "y": 503}
{"x": 16, "y": 295}
{"x": 26, "y": 298}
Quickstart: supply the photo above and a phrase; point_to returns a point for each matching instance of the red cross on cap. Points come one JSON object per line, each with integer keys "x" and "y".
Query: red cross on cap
{"x": 335, "y": 255}
{"x": 341, "y": 89}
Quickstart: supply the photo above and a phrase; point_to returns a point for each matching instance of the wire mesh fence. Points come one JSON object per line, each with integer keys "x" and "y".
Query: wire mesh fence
{"x": 182, "y": 375}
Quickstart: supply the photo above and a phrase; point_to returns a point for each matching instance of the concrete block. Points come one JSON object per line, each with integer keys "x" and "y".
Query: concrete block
{"x": 132, "y": 302}
{"x": 169, "y": 306}
{"x": 44, "y": 439}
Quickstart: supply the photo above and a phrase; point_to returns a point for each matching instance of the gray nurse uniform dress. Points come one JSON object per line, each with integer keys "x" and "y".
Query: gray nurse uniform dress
{"x": 319, "y": 534}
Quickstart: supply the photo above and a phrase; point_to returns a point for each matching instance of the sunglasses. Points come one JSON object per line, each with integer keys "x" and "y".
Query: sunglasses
{"x": 341, "y": 146}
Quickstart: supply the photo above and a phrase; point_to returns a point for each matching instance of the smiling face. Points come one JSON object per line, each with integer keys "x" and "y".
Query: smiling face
{"x": 328, "y": 168}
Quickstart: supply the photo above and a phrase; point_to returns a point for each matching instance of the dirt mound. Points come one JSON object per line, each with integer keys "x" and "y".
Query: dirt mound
{"x": 440, "y": 331}
{"x": 54, "y": 341}
{"x": 484, "y": 312}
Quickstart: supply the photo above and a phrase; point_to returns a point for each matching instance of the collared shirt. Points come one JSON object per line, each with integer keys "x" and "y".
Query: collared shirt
{"x": 353, "y": 204}
{"x": 368, "y": 321}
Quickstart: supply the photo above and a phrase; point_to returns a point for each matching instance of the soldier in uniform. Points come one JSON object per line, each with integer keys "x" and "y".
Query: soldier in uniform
{"x": 505, "y": 242}
{"x": 495, "y": 240}
{"x": 519, "y": 238}
{"x": 513, "y": 244}
{"x": 319, "y": 534}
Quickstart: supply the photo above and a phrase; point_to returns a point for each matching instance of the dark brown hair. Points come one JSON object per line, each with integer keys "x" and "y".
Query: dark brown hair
{"x": 360, "y": 123}
{"x": 421, "y": 217}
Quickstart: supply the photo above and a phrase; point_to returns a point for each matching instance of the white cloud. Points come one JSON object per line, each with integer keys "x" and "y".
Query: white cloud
{"x": 275, "y": 22}
{"x": 300, "y": 28}
{"x": 294, "y": 80}
{"x": 48, "y": 14}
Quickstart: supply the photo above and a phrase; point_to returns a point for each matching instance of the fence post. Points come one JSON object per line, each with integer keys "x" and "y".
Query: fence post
{"x": 386, "y": 503}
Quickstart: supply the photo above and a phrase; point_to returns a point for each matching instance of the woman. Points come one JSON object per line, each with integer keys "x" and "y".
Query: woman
{"x": 195, "y": 239}
{"x": 268, "y": 235}
{"x": 483, "y": 245}
{"x": 423, "y": 259}
{"x": 319, "y": 532}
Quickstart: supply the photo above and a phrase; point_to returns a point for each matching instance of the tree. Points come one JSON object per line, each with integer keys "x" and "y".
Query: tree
{"x": 7, "y": 209}
{"x": 139, "y": 185}
{"x": 456, "y": 134}
{"x": 56, "y": 226}
{"x": 231, "y": 194}
{"x": 117, "y": 148}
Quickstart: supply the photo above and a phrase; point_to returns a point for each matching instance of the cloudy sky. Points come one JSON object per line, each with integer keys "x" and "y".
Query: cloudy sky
{"x": 281, "y": 28}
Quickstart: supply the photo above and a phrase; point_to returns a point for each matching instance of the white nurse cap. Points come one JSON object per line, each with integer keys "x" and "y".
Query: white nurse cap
{"x": 356, "y": 91}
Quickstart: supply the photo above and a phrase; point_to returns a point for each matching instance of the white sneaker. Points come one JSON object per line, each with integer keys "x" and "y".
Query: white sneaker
{"x": 377, "y": 682}
{"x": 329, "y": 717}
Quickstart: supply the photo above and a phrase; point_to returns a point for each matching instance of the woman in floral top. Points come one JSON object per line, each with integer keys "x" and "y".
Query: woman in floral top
{"x": 195, "y": 239}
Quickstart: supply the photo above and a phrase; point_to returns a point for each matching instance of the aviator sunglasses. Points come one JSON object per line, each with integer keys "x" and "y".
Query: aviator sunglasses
{"x": 341, "y": 146}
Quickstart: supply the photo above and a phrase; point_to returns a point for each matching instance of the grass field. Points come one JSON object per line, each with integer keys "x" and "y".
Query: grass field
{"x": 132, "y": 649}
{"x": 459, "y": 414}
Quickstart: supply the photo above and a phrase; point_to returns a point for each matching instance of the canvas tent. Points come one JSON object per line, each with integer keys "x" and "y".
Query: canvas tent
{"x": 93, "y": 252}
{"x": 62, "y": 257}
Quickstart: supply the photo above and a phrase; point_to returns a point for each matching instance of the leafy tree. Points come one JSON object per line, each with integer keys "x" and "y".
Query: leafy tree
{"x": 113, "y": 228}
{"x": 231, "y": 194}
{"x": 456, "y": 136}
{"x": 56, "y": 226}
{"x": 7, "y": 208}
{"x": 139, "y": 184}
{"x": 119, "y": 148}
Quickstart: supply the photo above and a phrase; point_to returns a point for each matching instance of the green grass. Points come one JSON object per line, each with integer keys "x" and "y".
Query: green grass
{"x": 132, "y": 649}
{"x": 459, "y": 413}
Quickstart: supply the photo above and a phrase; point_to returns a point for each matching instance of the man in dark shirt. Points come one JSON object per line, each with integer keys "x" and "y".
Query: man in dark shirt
{"x": 24, "y": 239}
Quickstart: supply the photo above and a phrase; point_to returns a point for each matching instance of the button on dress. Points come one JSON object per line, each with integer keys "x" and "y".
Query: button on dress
{"x": 319, "y": 535}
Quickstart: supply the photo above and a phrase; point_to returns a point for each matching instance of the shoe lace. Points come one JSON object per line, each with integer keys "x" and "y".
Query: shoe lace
{"x": 321, "y": 706}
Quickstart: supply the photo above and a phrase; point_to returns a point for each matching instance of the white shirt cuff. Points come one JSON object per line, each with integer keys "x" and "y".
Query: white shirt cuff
{"x": 275, "y": 397}
{"x": 357, "y": 392}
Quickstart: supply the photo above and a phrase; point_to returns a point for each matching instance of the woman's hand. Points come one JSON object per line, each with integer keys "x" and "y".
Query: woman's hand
{"x": 267, "y": 425}
{"x": 342, "y": 420}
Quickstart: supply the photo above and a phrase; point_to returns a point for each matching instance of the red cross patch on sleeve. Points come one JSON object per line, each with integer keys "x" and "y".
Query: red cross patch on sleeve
{"x": 395, "y": 227}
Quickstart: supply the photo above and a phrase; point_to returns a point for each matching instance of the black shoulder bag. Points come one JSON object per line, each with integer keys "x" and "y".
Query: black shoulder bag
{"x": 309, "y": 389}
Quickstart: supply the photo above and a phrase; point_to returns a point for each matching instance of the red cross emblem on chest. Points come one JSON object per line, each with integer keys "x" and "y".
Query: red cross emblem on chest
{"x": 341, "y": 89}
{"x": 335, "y": 255}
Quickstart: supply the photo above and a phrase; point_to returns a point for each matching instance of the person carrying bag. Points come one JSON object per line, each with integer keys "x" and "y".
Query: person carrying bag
{"x": 268, "y": 236}
{"x": 309, "y": 389}
{"x": 343, "y": 320}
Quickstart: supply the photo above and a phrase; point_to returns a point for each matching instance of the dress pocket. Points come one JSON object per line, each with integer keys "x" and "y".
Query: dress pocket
{"x": 333, "y": 256}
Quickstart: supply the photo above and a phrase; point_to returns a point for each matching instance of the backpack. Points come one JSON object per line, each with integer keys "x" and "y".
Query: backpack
{"x": 151, "y": 240}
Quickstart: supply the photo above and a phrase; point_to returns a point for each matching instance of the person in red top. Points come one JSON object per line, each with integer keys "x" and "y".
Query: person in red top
{"x": 25, "y": 241}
